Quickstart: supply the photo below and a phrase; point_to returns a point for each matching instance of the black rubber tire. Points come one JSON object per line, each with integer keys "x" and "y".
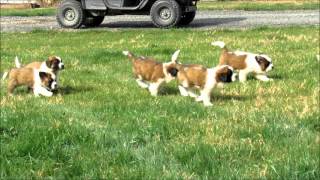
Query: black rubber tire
{"x": 76, "y": 14}
{"x": 93, "y": 21}
{"x": 187, "y": 18}
{"x": 165, "y": 7}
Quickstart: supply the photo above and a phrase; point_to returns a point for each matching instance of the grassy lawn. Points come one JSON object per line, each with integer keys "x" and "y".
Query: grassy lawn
{"x": 203, "y": 5}
{"x": 102, "y": 125}
{"x": 259, "y": 5}
{"x": 28, "y": 12}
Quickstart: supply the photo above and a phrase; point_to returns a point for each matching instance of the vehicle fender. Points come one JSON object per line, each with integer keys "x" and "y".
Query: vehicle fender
{"x": 93, "y": 4}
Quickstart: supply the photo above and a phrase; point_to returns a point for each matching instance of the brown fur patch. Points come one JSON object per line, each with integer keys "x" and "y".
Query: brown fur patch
{"x": 224, "y": 75}
{"x": 25, "y": 77}
{"x": 233, "y": 60}
{"x": 263, "y": 62}
{"x": 195, "y": 75}
{"x": 148, "y": 69}
{"x": 53, "y": 63}
{"x": 46, "y": 79}
{"x": 35, "y": 65}
{"x": 19, "y": 77}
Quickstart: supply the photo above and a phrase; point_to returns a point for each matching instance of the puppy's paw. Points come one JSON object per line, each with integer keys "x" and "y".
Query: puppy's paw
{"x": 154, "y": 94}
{"x": 208, "y": 104}
{"x": 199, "y": 99}
{"x": 220, "y": 85}
{"x": 50, "y": 94}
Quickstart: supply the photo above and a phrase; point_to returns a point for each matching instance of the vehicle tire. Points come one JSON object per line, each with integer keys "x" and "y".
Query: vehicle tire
{"x": 70, "y": 14}
{"x": 165, "y": 13}
{"x": 93, "y": 21}
{"x": 187, "y": 18}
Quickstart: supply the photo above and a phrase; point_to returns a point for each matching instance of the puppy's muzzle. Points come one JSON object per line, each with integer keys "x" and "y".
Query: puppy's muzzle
{"x": 61, "y": 66}
{"x": 54, "y": 85}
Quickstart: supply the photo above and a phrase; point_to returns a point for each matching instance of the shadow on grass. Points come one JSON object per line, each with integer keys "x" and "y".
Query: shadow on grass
{"x": 206, "y": 22}
{"x": 197, "y": 23}
{"x": 166, "y": 91}
{"x": 219, "y": 97}
{"x": 278, "y": 77}
{"x": 9, "y": 132}
{"x": 74, "y": 90}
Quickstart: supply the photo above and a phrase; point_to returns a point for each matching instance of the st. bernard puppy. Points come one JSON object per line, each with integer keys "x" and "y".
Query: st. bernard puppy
{"x": 150, "y": 73}
{"x": 205, "y": 79}
{"x": 40, "y": 82}
{"x": 245, "y": 62}
{"x": 52, "y": 65}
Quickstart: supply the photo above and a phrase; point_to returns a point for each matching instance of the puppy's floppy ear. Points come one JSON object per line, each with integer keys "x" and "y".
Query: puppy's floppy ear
{"x": 49, "y": 61}
{"x": 225, "y": 75}
{"x": 43, "y": 75}
{"x": 263, "y": 62}
{"x": 223, "y": 78}
{"x": 260, "y": 59}
{"x": 173, "y": 71}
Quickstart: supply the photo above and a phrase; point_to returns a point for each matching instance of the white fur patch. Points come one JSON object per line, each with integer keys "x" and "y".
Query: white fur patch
{"x": 175, "y": 56}
{"x": 37, "y": 86}
{"x": 45, "y": 68}
{"x": 61, "y": 65}
{"x": 54, "y": 85}
{"x": 154, "y": 87}
{"x": 17, "y": 62}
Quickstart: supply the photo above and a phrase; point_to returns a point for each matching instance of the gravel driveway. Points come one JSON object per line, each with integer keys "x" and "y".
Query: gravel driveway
{"x": 204, "y": 19}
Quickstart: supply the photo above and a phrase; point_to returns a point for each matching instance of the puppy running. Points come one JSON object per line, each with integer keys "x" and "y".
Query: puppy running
{"x": 245, "y": 62}
{"x": 198, "y": 77}
{"x": 152, "y": 74}
{"x": 52, "y": 66}
{"x": 40, "y": 82}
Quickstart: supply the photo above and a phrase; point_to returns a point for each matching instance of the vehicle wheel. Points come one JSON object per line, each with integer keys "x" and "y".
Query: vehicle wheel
{"x": 165, "y": 13}
{"x": 70, "y": 14}
{"x": 187, "y": 18}
{"x": 93, "y": 21}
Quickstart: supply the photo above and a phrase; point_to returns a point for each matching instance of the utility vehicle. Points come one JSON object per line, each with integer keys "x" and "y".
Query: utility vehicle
{"x": 90, "y": 13}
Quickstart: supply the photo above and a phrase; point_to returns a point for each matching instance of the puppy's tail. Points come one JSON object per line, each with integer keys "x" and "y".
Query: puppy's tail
{"x": 220, "y": 44}
{"x": 17, "y": 62}
{"x": 129, "y": 55}
{"x": 175, "y": 56}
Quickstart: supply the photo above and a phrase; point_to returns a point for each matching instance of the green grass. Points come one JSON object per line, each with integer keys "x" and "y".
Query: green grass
{"x": 28, "y": 12}
{"x": 203, "y": 5}
{"x": 102, "y": 125}
{"x": 259, "y": 5}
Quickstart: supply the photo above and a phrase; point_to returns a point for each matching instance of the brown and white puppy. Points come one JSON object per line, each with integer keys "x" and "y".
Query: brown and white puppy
{"x": 52, "y": 65}
{"x": 205, "y": 79}
{"x": 245, "y": 62}
{"x": 152, "y": 74}
{"x": 40, "y": 82}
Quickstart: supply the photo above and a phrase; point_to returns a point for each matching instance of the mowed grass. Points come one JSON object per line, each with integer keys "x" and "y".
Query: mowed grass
{"x": 28, "y": 12}
{"x": 259, "y": 5}
{"x": 102, "y": 125}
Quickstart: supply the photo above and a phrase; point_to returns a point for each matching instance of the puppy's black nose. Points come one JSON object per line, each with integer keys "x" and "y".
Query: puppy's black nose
{"x": 62, "y": 66}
